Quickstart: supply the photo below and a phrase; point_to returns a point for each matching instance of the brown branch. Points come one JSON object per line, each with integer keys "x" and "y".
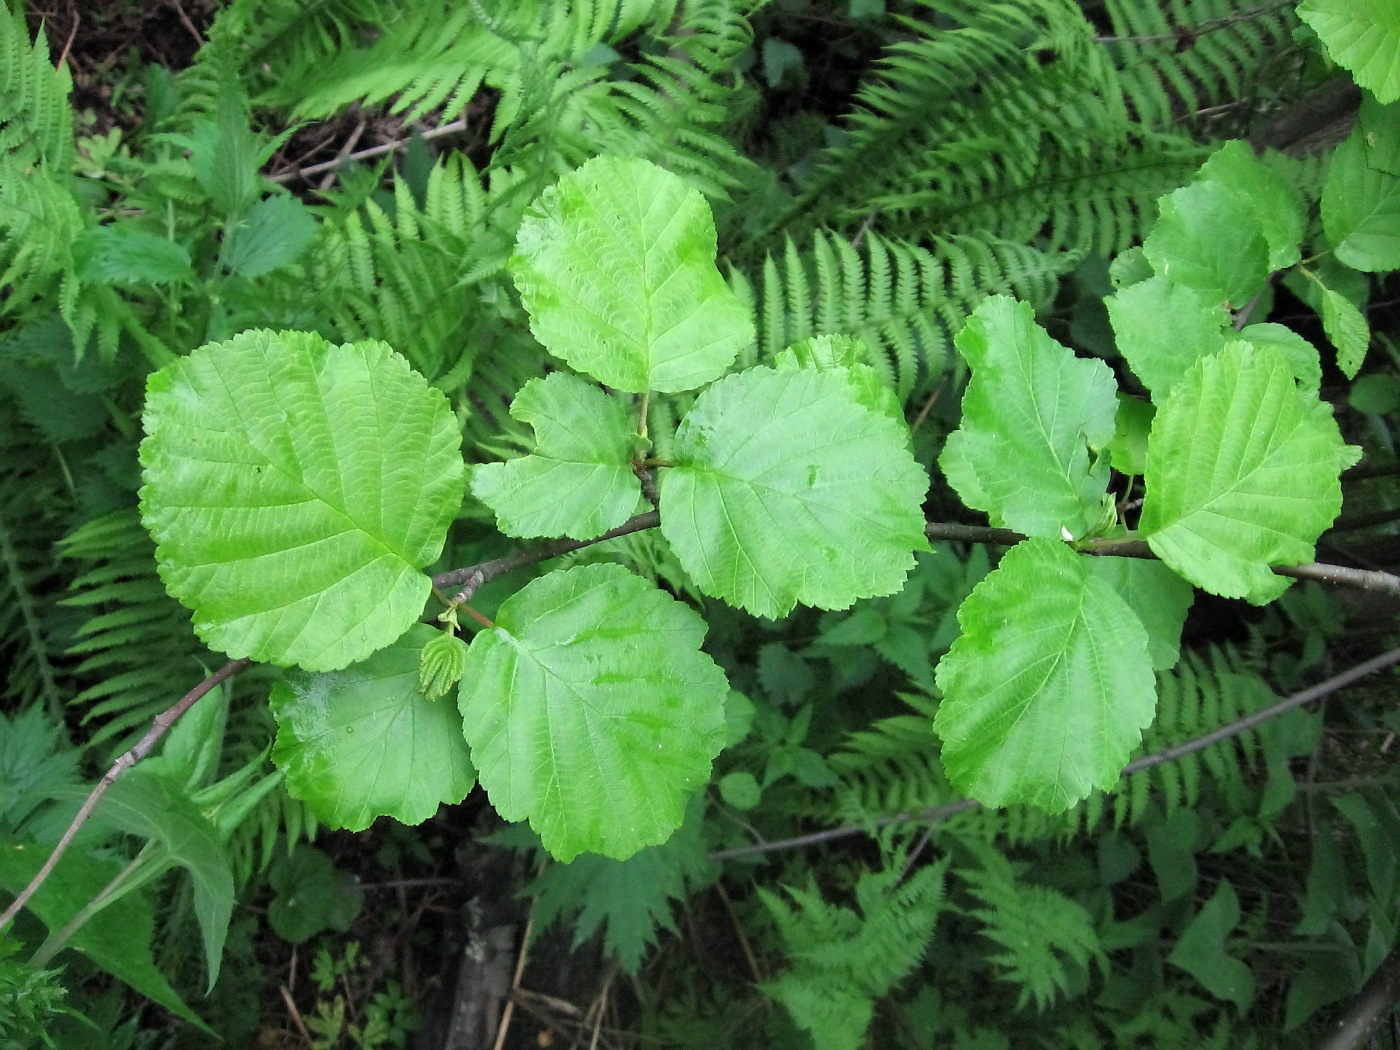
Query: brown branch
{"x": 159, "y": 725}
{"x": 1170, "y": 754}
{"x": 1377, "y": 999}
{"x": 366, "y": 154}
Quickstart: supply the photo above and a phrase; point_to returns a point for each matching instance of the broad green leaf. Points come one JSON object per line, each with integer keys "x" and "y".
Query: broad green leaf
{"x": 275, "y": 232}
{"x": 1202, "y": 950}
{"x": 1132, "y": 423}
{"x": 1241, "y": 474}
{"x": 313, "y": 896}
{"x": 1347, "y": 331}
{"x": 1163, "y": 328}
{"x": 1362, "y": 36}
{"x": 592, "y": 712}
{"x": 1048, "y": 689}
{"x": 1300, "y": 354}
{"x": 788, "y": 489}
{"x": 1158, "y": 596}
{"x": 1380, "y": 127}
{"x": 579, "y": 480}
{"x": 1031, "y": 413}
{"x": 616, "y": 265}
{"x": 122, "y": 254}
{"x": 295, "y": 490}
{"x": 1276, "y": 202}
{"x": 1210, "y": 237}
{"x": 828, "y": 352}
{"x": 146, "y": 804}
{"x": 1361, "y": 209}
{"x": 365, "y": 742}
{"x": 117, "y": 938}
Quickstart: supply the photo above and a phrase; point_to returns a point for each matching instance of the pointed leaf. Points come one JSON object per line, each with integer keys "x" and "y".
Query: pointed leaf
{"x": 1048, "y": 689}
{"x": 1163, "y": 328}
{"x": 1242, "y": 474}
{"x": 1362, "y": 36}
{"x": 1347, "y": 331}
{"x": 1202, "y": 951}
{"x": 1361, "y": 209}
{"x": 1210, "y": 237}
{"x": 579, "y": 480}
{"x": 1031, "y": 413}
{"x": 1158, "y": 596}
{"x": 788, "y": 489}
{"x": 122, "y": 254}
{"x": 365, "y": 742}
{"x": 275, "y": 233}
{"x": 294, "y": 490}
{"x": 592, "y": 712}
{"x": 616, "y": 265}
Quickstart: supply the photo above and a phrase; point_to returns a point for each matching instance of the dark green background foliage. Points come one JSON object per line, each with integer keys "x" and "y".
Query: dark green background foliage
{"x": 877, "y": 169}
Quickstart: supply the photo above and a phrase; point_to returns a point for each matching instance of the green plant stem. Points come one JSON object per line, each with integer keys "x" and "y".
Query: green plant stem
{"x": 121, "y": 884}
{"x": 52, "y": 702}
{"x": 1170, "y": 754}
{"x": 159, "y": 725}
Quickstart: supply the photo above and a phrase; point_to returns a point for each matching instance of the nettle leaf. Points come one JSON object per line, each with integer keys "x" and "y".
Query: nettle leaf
{"x": 616, "y": 265}
{"x": 1242, "y": 474}
{"x": 592, "y": 711}
{"x": 1158, "y": 596}
{"x": 1031, "y": 413}
{"x": 1362, "y": 36}
{"x": 1361, "y": 208}
{"x": 1048, "y": 689}
{"x": 1210, "y": 236}
{"x": 579, "y": 480}
{"x": 295, "y": 490}
{"x": 365, "y": 742}
{"x": 1163, "y": 328}
{"x": 788, "y": 489}
{"x": 275, "y": 233}
{"x": 122, "y": 254}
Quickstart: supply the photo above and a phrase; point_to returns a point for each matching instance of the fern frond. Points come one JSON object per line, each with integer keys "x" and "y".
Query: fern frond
{"x": 37, "y": 126}
{"x": 904, "y": 301}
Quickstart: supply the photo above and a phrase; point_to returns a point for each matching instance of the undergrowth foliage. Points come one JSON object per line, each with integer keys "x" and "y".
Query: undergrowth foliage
{"x": 724, "y": 414}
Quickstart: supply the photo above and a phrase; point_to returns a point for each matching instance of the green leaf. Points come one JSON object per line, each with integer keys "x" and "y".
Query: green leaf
{"x": 1276, "y": 202}
{"x": 1131, "y": 424}
{"x": 591, "y": 710}
{"x": 117, "y": 938}
{"x": 191, "y": 749}
{"x": 788, "y": 489}
{"x": 1163, "y": 328}
{"x": 312, "y": 896}
{"x": 275, "y": 232}
{"x": 365, "y": 742}
{"x": 1030, "y": 415}
{"x": 1380, "y": 127}
{"x": 122, "y": 254}
{"x": 294, "y": 490}
{"x": 740, "y": 790}
{"x": 616, "y": 265}
{"x": 1347, "y": 331}
{"x": 1202, "y": 951}
{"x": 579, "y": 480}
{"x": 1211, "y": 238}
{"x": 1375, "y": 394}
{"x": 146, "y": 804}
{"x": 847, "y": 356}
{"x": 1158, "y": 596}
{"x": 1242, "y": 474}
{"x": 442, "y": 661}
{"x": 1300, "y": 354}
{"x": 1361, "y": 209}
{"x": 1362, "y": 36}
{"x": 1048, "y": 689}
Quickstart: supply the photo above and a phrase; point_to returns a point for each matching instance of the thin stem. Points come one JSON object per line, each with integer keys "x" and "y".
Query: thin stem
{"x": 1171, "y": 754}
{"x": 365, "y": 154}
{"x": 159, "y": 725}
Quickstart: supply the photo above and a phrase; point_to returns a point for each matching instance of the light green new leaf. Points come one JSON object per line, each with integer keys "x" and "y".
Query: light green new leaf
{"x": 592, "y": 711}
{"x": 275, "y": 233}
{"x": 1031, "y": 413}
{"x": 1275, "y": 201}
{"x": 788, "y": 489}
{"x": 1361, "y": 208}
{"x": 1210, "y": 236}
{"x": 826, "y": 352}
{"x": 1347, "y": 330}
{"x": 1241, "y": 474}
{"x": 1164, "y": 328}
{"x": 1362, "y": 36}
{"x": 365, "y": 742}
{"x": 579, "y": 480}
{"x": 616, "y": 265}
{"x": 295, "y": 490}
{"x": 1158, "y": 596}
{"x": 1048, "y": 689}
{"x": 1301, "y": 355}
{"x": 1202, "y": 950}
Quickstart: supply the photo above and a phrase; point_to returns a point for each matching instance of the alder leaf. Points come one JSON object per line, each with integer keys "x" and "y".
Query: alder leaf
{"x": 848, "y": 355}
{"x": 1347, "y": 331}
{"x": 1031, "y": 412}
{"x": 1242, "y": 471}
{"x": 1163, "y": 328}
{"x": 788, "y": 489}
{"x": 1361, "y": 208}
{"x": 592, "y": 712}
{"x": 616, "y": 265}
{"x": 295, "y": 490}
{"x": 1158, "y": 596}
{"x": 365, "y": 742}
{"x": 1210, "y": 236}
{"x": 1047, "y": 690}
{"x": 1362, "y": 36}
{"x": 579, "y": 480}
{"x": 1275, "y": 201}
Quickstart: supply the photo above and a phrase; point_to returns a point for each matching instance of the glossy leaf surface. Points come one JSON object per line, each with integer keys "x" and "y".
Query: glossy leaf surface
{"x": 1364, "y": 37}
{"x": 1361, "y": 208}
